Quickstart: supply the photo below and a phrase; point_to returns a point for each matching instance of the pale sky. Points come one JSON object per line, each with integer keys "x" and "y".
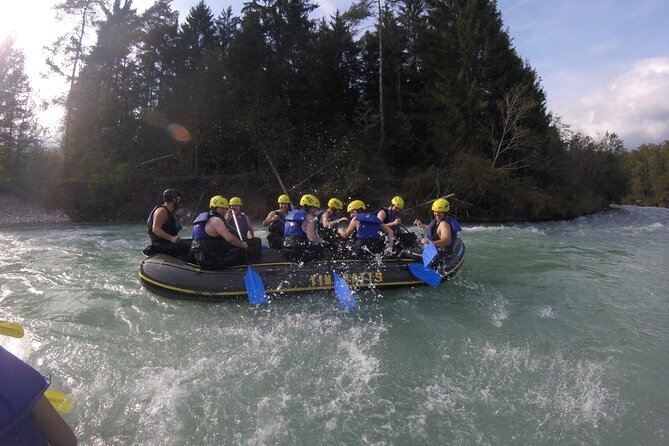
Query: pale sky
{"x": 604, "y": 64}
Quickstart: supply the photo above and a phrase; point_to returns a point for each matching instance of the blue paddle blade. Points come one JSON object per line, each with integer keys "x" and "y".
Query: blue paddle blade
{"x": 254, "y": 287}
{"x": 425, "y": 273}
{"x": 429, "y": 253}
{"x": 344, "y": 293}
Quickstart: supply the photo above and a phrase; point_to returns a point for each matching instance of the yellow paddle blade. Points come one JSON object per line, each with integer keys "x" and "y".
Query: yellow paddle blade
{"x": 11, "y": 329}
{"x": 59, "y": 401}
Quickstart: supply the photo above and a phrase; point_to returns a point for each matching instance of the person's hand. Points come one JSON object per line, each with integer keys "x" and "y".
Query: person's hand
{"x": 245, "y": 245}
{"x": 418, "y": 222}
{"x": 388, "y": 251}
{"x": 342, "y": 220}
{"x": 425, "y": 241}
{"x": 275, "y": 217}
{"x": 176, "y": 239}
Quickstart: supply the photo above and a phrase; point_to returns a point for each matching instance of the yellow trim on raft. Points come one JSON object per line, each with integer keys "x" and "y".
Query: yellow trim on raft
{"x": 278, "y": 290}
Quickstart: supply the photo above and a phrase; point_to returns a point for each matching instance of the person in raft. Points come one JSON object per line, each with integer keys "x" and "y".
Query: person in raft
{"x": 275, "y": 221}
{"x": 26, "y": 415}
{"x": 163, "y": 226}
{"x": 301, "y": 242}
{"x": 365, "y": 228}
{"x": 245, "y": 232}
{"x": 442, "y": 231}
{"x": 214, "y": 245}
{"x": 392, "y": 217}
{"x": 328, "y": 221}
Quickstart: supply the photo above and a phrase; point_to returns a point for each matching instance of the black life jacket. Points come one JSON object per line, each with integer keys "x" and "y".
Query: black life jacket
{"x": 170, "y": 226}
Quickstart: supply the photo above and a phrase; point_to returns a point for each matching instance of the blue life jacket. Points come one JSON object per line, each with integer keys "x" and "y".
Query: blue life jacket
{"x": 276, "y": 228}
{"x": 390, "y": 215}
{"x": 21, "y": 387}
{"x": 369, "y": 226}
{"x": 171, "y": 226}
{"x": 200, "y": 222}
{"x": 455, "y": 228}
{"x": 293, "y": 226}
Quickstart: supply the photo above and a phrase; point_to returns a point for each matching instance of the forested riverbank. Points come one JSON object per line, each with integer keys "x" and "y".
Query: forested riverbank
{"x": 431, "y": 99}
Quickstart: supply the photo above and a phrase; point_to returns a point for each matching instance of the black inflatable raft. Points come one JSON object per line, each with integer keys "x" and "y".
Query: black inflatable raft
{"x": 171, "y": 277}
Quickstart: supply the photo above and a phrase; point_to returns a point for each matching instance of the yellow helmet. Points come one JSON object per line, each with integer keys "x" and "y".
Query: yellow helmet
{"x": 335, "y": 203}
{"x": 355, "y": 204}
{"x": 218, "y": 202}
{"x": 398, "y": 201}
{"x": 310, "y": 200}
{"x": 441, "y": 205}
{"x": 236, "y": 201}
{"x": 283, "y": 199}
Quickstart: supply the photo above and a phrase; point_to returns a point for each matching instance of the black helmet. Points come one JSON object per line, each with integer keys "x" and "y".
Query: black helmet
{"x": 170, "y": 195}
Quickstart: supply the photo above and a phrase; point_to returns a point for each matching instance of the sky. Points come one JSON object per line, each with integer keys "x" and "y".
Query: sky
{"x": 604, "y": 64}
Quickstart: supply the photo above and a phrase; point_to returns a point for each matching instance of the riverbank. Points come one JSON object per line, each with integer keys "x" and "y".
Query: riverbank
{"x": 16, "y": 211}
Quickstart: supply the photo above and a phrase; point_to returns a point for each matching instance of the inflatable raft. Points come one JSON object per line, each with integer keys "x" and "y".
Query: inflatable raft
{"x": 171, "y": 277}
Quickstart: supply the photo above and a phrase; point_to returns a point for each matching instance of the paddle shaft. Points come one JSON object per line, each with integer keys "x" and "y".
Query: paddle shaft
{"x": 246, "y": 252}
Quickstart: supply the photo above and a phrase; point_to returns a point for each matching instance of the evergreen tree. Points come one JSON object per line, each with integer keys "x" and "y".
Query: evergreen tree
{"x": 18, "y": 131}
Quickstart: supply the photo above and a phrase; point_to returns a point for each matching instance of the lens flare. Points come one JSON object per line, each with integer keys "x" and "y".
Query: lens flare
{"x": 179, "y": 132}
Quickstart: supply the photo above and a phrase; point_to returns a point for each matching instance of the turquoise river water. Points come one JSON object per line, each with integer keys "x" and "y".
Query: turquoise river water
{"x": 552, "y": 333}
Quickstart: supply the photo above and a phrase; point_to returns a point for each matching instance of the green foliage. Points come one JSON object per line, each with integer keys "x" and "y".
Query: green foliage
{"x": 226, "y": 95}
{"x": 648, "y": 167}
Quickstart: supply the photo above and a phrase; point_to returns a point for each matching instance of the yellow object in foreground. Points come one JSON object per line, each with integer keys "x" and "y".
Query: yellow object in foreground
{"x": 11, "y": 329}
{"x": 59, "y": 401}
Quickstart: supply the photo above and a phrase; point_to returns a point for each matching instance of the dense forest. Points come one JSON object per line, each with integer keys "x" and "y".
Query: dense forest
{"x": 414, "y": 97}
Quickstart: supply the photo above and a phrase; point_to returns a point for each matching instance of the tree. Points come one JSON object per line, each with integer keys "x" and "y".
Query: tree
{"x": 18, "y": 130}
{"x": 70, "y": 49}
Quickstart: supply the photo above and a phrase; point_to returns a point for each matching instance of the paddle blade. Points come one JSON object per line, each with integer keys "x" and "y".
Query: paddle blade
{"x": 429, "y": 253}
{"x": 59, "y": 401}
{"x": 426, "y": 274}
{"x": 254, "y": 287}
{"x": 11, "y": 329}
{"x": 344, "y": 293}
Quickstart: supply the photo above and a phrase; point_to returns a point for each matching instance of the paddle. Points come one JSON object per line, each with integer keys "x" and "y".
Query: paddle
{"x": 425, "y": 273}
{"x": 255, "y": 289}
{"x": 11, "y": 329}
{"x": 59, "y": 401}
{"x": 345, "y": 294}
{"x": 429, "y": 253}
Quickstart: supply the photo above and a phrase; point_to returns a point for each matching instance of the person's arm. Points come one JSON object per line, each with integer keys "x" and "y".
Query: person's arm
{"x": 271, "y": 217}
{"x": 444, "y": 232}
{"x": 390, "y": 238}
{"x": 159, "y": 219}
{"x": 248, "y": 224}
{"x": 310, "y": 229}
{"x": 396, "y": 222}
{"x": 222, "y": 230}
{"x": 51, "y": 425}
{"x": 325, "y": 219}
{"x": 346, "y": 233}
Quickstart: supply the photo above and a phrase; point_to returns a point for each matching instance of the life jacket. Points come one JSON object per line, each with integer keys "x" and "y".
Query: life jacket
{"x": 21, "y": 387}
{"x": 369, "y": 226}
{"x": 171, "y": 226}
{"x": 276, "y": 228}
{"x": 200, "y": 222}
{"x": 455, "y": 228}
{"x": 390, "y": 215}
{"x": 293, "y": 225}
{"x": 205, "y": 242}
{"x": 243, "y": 226}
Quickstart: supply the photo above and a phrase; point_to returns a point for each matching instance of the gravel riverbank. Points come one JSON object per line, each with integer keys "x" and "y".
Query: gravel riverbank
{"x": 15, "y": 211}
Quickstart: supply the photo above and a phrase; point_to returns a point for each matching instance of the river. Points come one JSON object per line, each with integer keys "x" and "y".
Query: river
{"x": 552, "y": 333}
